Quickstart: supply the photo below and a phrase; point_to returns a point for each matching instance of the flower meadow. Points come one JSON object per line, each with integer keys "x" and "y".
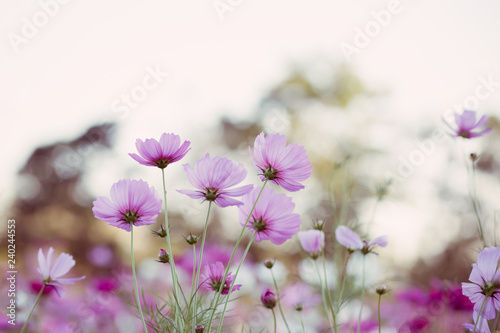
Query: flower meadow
{"x": 212, "y": 287}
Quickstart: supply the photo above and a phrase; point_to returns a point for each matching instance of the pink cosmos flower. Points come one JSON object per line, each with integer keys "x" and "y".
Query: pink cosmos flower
{"x": 52, "y": 273}
{"x": 467, "y": 127}
{"x": 284, "y": 165}
{"x": 300, "y": 296}
{"x": 272, "y": 217}
{"x": 268, "y": 298}
{"x": 160, "y": 154}
{"x": 482, "y": 325}
{"x": 132, "y": 202}
{"x": 213, "y": 276}
{"x": 312, "y": 241}
{"x": 485, "y": 278}
{"x": 353, "y": 242}
{"x": 213, "y": 177}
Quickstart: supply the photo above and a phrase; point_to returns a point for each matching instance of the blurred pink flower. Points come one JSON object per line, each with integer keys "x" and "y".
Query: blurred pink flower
{"x": 300, "y": 296}
{"x": 132, "y": 202}
{"x": 213, "y": 177}
{"x": 467, "y": 127}
{"x": 52, "y": 273}
{"x": 485, "y": 280}
{"x": 353, "y": 242}
{"x": 272, "y": 217}
{"x": 284, "y": 165}
{"x": 161, "y": 154}
{"x": 212, "y": 278}
{"x": 312, "y": 241}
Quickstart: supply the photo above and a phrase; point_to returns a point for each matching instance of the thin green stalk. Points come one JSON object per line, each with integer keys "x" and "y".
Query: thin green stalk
{"x": 274, "y": 319}
{"x": 198, "y": 267}
{"x": 219, "y": 329}
{"x": 33, "y": 308}
{"x": 171, "y": 262}
{"x": 479, "y": 314}
{"x": 332, "y": 327}
{"x": 192, "y": 288}
{"x": 379, "y": 321}
{"x": 362, "y": 297}
{"x": 328, "y": 292}
{"x": 302, "y": 322}
{"x": 231, "y": 259}
{"x": 135, "y": 278}
{"x": 339, "y": 302}
{"x": 279, "y": 300}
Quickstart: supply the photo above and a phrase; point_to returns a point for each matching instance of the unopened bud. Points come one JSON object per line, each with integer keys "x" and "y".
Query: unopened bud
{"x": 318, "y": 225}
{"x": 191, "y": 239}
{"x": 269, "y": 263}
{"x": 199, "y": 328}
{"x": 268, "y": 298}
{"x": 160, "y": 233}
{"x": 382, "y": 290}
{"x": 474, "y": 157}
{"x": 163, "y": 256}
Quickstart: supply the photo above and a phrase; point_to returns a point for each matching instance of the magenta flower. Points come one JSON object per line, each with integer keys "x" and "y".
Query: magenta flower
{"x": 353, "y": 242}
{"x": 312, "y": 241}
{"x": 268, "y": 298}
{"x": 132, "y": 202}
{"x": 213, "y": 276}
{"x": 284, "y": 165}
{"x": 160, "y": 154}
{"x": 272, "y": 217}
{"x": 485, "y": 280}
{"x": 52, "y": 273}
{"x": 213, "y": 177}
{"x": 467, "y": 127}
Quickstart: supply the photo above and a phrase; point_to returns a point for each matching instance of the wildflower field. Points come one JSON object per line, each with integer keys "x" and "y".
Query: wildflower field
{"x": 236, "y": 166}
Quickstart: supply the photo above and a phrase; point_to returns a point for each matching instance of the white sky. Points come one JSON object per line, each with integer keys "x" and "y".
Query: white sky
{"x": 68, "y": 75}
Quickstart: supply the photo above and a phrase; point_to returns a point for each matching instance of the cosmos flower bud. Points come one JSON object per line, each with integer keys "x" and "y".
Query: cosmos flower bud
{"x": 162, "y": 233}
{"x": 269, "y": 263}
{"x": 268, "y": 298}
{"x": 199, "y": 328}
{"x": 381, "y": 290}
{"x": 318, "y": 225}
{"x": 191, "y": 239}
{"x": 163, "y": 256}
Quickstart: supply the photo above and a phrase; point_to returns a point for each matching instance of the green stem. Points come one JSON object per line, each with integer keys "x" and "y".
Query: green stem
{"x": 279, "y": 300}
{"x": 302, "y": 322}
{"x": 219, "y": 329}
{"x": 362, "y": 297}
{"x": 171, "y": 260}
{"x": 198, "y": 267}
{"x": 135, "y": 278}
{"x": 231, "y": 259}
{"x": 323, "y": 296}
{"x": 379, "y": 321}
{"x": 344, "y": 275}
{"x": 328, "y": 292}
{"x": 479, "y": 314}
{"x": 274, "y": 319}
{"x": 33, "y": 308}
{"x": 192, "y": 288}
